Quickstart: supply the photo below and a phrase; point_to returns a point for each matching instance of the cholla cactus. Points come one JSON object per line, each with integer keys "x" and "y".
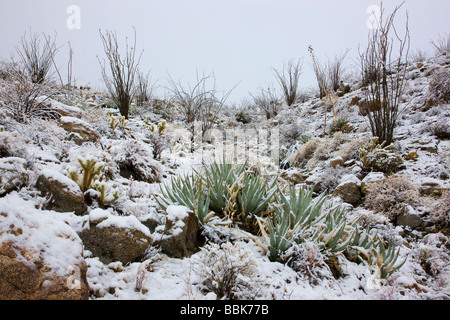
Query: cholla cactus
{"x": 159, "y": 128}
{"x": 104, "y": 199}
{"x": 91, "y": 170}
{"x": 89, "y": 176}
{"x": 114, "y": 122}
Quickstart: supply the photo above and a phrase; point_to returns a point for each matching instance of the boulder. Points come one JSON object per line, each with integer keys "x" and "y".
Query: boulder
{"x": 13, "y": 174}
{"x": 349, "y": 189}
{"x": 431, "y": 187}
{"x": 40, "y": 254}
{"x": 178, "y": 237}
{"x": 409, "y": 218}
{"x": 336, "y": 162}
{"x": 370, "y": 179}
{"x": 65, "y": 193}
{"x": 115, "y": 238}
{"x": 61, "y": 108}
{"x": 80, "y": 131}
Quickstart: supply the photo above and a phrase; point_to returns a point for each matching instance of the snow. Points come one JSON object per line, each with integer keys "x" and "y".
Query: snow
{"x": 104, "y": 219}
{"x": 36, "y": 230}
{"x": 48, "y": 152}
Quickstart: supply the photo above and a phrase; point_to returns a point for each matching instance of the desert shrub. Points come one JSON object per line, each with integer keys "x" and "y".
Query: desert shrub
{"x": 307, "y": 259}
{"x": 318, "y": 149}
{"x": 439, "y": 86}
{"x": 305, "y": 152}
{"x": 228, "y": 270}
{"x": 440, "y": 212}
{"x": 120, "y": 82}
{"x": 288, "y": 79}
{"x": 24, "y": 97}
{"x": 340, "y": 124}
{"x": 36, "y": 58}
{"x": 392, "y": 196}
{"x": 376, "y": 157}
{"x": 267, "y": 101}
{"x": 243, "y": 116}
{"x": 330, "y": 177}
{"x": 441, "y": 128}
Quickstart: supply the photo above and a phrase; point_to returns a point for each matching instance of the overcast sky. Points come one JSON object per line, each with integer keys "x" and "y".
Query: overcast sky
{"x": 240, "y": 40}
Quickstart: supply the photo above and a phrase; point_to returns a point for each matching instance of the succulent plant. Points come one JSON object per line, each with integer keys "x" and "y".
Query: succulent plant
{"x": 385, "y": 258}
{"x": 222, "y": 180}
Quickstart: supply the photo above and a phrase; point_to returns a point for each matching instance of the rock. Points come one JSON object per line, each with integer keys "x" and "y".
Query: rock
{"x": 294, "y": 176}
{"x": 80, "y": 130}
{"x": 370, "y": 179}
{"x": 409, "y": 218}
{"x": 431, "y": 187}
{"x": 412, "y": 155}
{"x": 115, "y": 238}
{"x": 178, "y": 237}
{"x": 61, "y": 108}
{"x": 314, "y": 182}
{"x": 337, "y": 161}
{"x": 349, "y": 189}
{"x": 41, "y": 256}
{"x": 65, "y": 193}
{"x": 383, "y": 160}
{"x": 13, "y": 174}
{"x": 140, "y": 169}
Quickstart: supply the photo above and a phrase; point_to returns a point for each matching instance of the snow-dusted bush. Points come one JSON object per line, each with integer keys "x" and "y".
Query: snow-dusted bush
{"x": 228, "y": 270}
{"x": 392, "y": 196}
{"x": 23, "y": 97}
{"x": 308, "y": 260}
{"x": 440, "y": 212}
{"x": 378, "y": 157}
{"x": 439, "y": 86}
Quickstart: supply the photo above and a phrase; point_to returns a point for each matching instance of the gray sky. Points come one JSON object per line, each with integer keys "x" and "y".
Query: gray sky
{"x": 240, "y": 40}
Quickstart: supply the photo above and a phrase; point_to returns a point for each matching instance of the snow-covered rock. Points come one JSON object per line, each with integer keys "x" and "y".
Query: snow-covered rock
{"x": 65, "y": 193}
{"x": 13, "y": 174}
{"x": 40, "y": 254}
{"x": 349, "y": 189}
{"x": 115, "y": 238}
{"x": 80, "y": 130}
{"x": 178, "y": 236}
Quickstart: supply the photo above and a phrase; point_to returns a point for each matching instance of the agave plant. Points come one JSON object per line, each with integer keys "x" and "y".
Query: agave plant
{"x": 221, "y": 179}
{"x": 335, "y": 233}
{"x": 186, "y": 191}
{"x": 385, "y": 258}
{"x": 255, "y": 194}
{"x": 299, "y": 218}
{"x": 361, "y": 245}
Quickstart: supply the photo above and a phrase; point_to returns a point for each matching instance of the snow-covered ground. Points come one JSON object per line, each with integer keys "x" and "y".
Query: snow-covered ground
{"x": 46, "y": 147}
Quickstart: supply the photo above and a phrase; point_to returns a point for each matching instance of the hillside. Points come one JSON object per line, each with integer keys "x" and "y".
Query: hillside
{"x": 81, "y": 215}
